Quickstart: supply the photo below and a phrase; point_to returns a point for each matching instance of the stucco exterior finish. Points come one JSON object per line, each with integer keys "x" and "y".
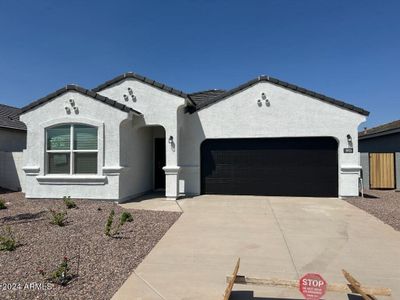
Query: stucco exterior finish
{"x": 289, "y": 115}
{"x": 105, "y": 184}
{"x": 126, "y": 163}
{"x": 12, "y": 140}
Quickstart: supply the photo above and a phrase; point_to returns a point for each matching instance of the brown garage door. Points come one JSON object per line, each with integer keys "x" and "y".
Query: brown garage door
{"x": 382, "y": 171}
{"x": 270, "y": 166}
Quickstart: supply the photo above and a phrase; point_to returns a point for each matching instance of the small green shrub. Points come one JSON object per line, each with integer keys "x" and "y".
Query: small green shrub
{"x": 68, "y": 202}
{"x": 7, "y": 240}
{"x": 125, "y": 217}
{"x": 113, "y": 231}
{"x": 60, "y": 275}
{"x": 109, "y": 223}
{"x": 58, "y": 217}
{"x": 2, "y": 204}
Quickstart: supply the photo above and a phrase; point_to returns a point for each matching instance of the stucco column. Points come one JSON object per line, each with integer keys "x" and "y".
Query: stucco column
{"x": 171, "y": 169}
{"x": 171, "y": 182}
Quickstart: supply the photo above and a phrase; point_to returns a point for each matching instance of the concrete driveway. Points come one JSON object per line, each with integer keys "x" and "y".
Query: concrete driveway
{"x": 277, "y": 237}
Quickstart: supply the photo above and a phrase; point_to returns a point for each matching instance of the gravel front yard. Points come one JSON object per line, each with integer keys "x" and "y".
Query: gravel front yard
{"x": 104, "y": 262}
{"x": 385, "y": 205}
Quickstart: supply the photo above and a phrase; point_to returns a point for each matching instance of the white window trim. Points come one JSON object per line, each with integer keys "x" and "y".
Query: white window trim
{"x": 42, "y": 157}
{"x": 71, "y": 150}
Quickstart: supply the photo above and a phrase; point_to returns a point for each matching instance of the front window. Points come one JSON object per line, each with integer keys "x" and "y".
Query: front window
{"x": 72, "y": 149}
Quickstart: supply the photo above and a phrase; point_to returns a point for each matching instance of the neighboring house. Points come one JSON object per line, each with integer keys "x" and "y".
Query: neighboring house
{"x": 380, "y": 156}
{"x": 12, "y": 143}
{"x": 132, "y": 135}
{"x": 12, "y": 131}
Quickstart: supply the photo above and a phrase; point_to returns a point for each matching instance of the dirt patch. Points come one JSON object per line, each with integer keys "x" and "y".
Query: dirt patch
{"x": 385, "y": 205}
{"x": 104, "y": 262}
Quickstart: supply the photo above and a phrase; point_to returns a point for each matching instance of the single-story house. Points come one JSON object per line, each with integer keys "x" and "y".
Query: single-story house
{"x": 12, "y": 131}
{"x": 132, "y": 135}
{"x": 380, "y": 156}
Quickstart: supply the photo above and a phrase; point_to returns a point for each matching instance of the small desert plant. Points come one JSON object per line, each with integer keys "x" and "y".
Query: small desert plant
{"x": 125, "y": 217}
{"x": 60, "y": 275}
{"x": 109, "y": 223}
{"x": 2, "y": 204}
{"x": 68, "y": 202}
{"x": 58, "y": 217}
{"x": 7, "y": 240}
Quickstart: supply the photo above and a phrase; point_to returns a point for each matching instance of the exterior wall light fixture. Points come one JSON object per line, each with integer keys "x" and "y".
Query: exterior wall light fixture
{"x": 67, "y": 109}
{"x": 72, "y": 102}
{"x": 259, "y": 102}
{"x": 130, "y": 91}
{"x": 171, "y": 139}
{"x": 267, "y": 102}
{"x": 349, "y": 139}
{"x": 126, "y": 97}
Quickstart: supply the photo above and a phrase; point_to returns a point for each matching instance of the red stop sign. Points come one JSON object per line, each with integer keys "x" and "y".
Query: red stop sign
{"x": 312, "y": 286}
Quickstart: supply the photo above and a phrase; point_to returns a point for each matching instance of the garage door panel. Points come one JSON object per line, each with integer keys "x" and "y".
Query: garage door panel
{"x": 288, "y": 166}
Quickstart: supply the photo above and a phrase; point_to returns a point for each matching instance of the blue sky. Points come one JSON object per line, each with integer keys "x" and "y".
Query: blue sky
{"x": 348, "y": 50}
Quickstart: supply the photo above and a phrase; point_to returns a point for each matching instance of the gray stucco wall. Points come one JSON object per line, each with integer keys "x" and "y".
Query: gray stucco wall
{"x": 12, "y": 140}
{"x": 386, "y": 143}
{"x": 398, "y": 170}
{"x": 364, "y": 161}
{"x": 11, "y": 174}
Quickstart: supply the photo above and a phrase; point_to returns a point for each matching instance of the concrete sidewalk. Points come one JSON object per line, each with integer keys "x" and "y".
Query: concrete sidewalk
{"x": 277, "y": 237}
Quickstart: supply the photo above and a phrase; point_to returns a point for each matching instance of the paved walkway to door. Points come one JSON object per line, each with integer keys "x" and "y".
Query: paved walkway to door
{"x": 277, "y": 237}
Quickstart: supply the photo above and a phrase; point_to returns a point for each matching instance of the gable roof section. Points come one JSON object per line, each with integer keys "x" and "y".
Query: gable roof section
{"x": 145, "y": 80}
{"x": 9, "y": 118}
{"x": 283, "y": 84}
{"x": 384, "y": 129}
{"x": 91, "y": 94}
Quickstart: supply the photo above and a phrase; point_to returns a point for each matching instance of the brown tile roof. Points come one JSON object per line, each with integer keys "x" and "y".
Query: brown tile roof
{"x": 9, "y": 118}
{"x": 383, "y": 129}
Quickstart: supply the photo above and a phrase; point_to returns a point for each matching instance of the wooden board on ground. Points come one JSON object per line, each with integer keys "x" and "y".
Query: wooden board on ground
{"x": 284, "y": 283}
{"x": 231, "y": 282}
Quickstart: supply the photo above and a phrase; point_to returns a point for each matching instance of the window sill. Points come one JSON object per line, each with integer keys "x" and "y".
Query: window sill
{"x": 72, "y": 179}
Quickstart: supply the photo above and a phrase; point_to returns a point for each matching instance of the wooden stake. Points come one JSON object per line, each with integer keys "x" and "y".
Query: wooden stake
{"x": 231, "y": 282}
{"x": 355, "y": 286}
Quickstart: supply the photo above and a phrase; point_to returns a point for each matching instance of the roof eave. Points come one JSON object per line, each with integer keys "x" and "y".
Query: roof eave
{"x": 378, "y": 134}
{"x": 81, "y": 90}
{"x": 146, "y": 80}
{"x": 13, "y": 128}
